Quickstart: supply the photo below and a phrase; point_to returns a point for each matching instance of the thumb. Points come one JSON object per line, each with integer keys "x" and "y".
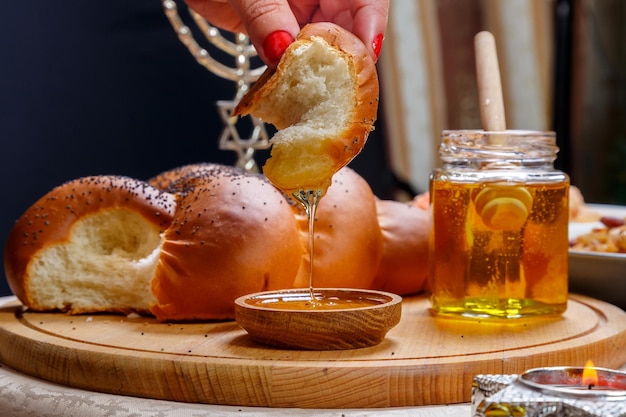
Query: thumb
{"x": 270, "y": 24}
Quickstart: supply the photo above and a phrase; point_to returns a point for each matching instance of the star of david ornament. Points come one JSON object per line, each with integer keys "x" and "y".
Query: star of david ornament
{"x": 242, "y": 74}
{"x": 230, "y": 139}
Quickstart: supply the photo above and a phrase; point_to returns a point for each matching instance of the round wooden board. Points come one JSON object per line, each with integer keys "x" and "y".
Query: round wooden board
{"x": 423, "y": 361}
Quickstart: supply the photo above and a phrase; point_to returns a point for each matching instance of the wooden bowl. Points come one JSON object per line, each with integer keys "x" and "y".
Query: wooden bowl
{"x": 342, "y": 318}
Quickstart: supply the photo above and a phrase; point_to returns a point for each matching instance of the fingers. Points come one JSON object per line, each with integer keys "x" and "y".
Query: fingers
{"x": 218, "y": 13}
{"x": 270, "y": 24}
{"x": 367, "y": 19}
{"x": 370, "y": 23}
{"x": 273, "y": 24}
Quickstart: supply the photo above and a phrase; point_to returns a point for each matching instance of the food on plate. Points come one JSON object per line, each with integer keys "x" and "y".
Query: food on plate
{"x": 89, "y": 245}
{"x": 348, "y": 238}
{"x": 611, "y": 238}
{"x": 578, "y": 210}
{"x": 233, "y": 234}
{"x": 323, "y": 99}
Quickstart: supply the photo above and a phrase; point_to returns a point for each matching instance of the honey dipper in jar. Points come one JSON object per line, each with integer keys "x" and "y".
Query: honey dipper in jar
{"x": 498, "y": 244}
{"x": 502, "y": 207}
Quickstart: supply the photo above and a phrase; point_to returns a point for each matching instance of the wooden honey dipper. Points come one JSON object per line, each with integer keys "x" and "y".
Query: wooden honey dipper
{"x": 489, "y": 85}
{"x": 501, "y": 207}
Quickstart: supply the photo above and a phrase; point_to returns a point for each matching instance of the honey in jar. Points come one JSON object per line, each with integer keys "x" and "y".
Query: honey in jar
{"x": 499, "y": 236}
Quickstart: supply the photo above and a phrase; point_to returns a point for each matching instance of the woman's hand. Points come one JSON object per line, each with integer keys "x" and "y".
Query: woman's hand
{"x": 273, "y": 24}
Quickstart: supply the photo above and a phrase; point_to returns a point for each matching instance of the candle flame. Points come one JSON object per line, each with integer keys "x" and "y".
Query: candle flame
{"x": 590, "y": 375}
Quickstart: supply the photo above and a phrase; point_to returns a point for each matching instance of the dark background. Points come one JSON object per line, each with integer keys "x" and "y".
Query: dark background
{"x": 89, "y": 88}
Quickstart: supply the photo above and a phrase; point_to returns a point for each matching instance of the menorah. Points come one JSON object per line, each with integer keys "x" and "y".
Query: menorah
{"x": 242, "y": 74}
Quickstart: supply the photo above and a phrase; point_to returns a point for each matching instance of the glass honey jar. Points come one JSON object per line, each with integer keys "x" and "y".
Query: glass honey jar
{"x": 499, "y": 237}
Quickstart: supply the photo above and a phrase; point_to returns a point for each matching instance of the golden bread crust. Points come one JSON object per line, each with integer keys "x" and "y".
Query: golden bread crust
{"x": 348, "y": 239}
{"x": 234, "y": 234}
{"x": 404, "y": 264}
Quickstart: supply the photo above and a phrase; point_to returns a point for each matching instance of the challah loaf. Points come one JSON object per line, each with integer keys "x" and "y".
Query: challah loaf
{"x": 185, "y": 244}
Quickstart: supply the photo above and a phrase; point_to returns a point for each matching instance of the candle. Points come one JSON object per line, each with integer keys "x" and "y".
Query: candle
{"x": 550, "y": 392}
{"x": 595, "y": 383}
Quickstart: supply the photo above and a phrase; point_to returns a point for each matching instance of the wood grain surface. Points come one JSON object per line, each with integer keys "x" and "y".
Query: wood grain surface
{"x": 422, "y": 361}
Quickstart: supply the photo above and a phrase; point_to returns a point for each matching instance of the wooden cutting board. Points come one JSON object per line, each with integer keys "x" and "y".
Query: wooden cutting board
{"x": 424, "y": 360}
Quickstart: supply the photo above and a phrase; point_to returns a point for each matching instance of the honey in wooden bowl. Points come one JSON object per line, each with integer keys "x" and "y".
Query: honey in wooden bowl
{"x": 336, "y": 318}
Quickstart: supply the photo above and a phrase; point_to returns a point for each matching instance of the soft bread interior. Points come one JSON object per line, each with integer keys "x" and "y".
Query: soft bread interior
{"x": 108, "y": 261}
{"x": 311, "y": 105}
{"x": 314, "y": 96}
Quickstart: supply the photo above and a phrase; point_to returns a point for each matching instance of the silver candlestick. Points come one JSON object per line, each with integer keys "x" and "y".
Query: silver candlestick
{"x": 242, "y": 74}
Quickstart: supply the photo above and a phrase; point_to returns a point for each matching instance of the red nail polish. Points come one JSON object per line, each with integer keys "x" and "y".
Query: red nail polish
{"x": 275, "y": 44}
{"x": 377, "y": 44}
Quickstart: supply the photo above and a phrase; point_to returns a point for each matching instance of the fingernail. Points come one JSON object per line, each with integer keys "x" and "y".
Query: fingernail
{"x": 377, "y": 44}
{"x": 275, "y": 44}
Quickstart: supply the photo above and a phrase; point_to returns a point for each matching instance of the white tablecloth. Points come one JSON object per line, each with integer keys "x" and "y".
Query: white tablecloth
{"x": 25, "y": 396}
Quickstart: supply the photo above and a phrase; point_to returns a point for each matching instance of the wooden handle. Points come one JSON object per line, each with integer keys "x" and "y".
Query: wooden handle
{"x": 489, "y": 85}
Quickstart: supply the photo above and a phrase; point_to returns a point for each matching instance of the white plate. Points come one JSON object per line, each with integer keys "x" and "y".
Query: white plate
{"x": 598, "y": 274}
